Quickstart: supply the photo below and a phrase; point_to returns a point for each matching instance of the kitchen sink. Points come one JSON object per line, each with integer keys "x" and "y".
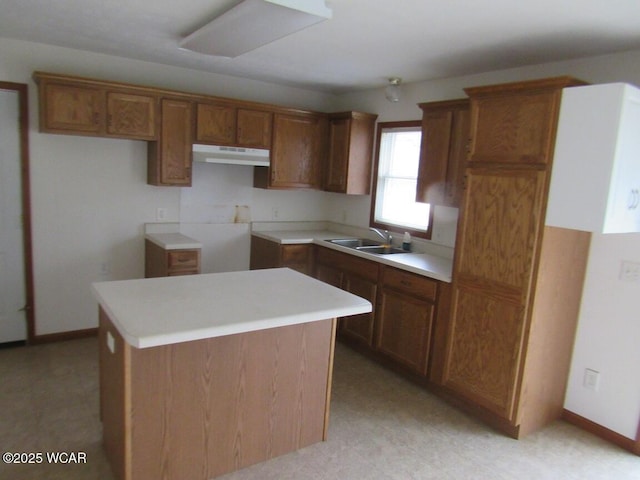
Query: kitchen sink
{"x": 366, "y": 245}
{"x": 380, "y": 249}
{"x": 355, "y": 242}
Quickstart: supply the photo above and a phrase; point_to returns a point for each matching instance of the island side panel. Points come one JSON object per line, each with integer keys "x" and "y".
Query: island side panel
{"x": 115, "y": 397}
{"x": 204, "y": 408}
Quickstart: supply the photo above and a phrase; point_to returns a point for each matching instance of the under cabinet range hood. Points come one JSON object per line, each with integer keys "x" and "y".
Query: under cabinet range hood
{"x": 256, "y": 157}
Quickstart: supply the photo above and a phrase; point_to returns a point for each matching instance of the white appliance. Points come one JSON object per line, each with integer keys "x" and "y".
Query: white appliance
{"x": 256, "y": 157}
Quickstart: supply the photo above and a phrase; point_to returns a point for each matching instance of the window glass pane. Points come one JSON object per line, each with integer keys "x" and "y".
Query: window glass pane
{"x": 398, "y": 160}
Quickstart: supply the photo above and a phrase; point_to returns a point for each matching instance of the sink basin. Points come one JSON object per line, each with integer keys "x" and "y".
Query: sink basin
{"x": 354, "y": 242}
{"x": 366, "y": 245}
{"x": 380, "y": 250}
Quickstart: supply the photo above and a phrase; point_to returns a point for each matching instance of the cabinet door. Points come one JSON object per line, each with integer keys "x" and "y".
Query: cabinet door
{"x": 359, "y": 327}
{"x": 329, "y": 274}
{"x": 518, "y": 128}
{"x": 295, "y": 153}
{"x": 297, "y": 257}
{"x": 404, "y": 329}
{"x": 498, "y": 239}
{"x": 443, "y": 152}
{"x": 336, "y": 175}
{"x": 216, "y": 123}
{"x": 348, "y": 169}
{"x": 434, "y": 156}
{"x": 169, "y": 161}
{"x": 75, "y": 109}
{"x": 131, "y": 116}
{"x": 254, "y": 128}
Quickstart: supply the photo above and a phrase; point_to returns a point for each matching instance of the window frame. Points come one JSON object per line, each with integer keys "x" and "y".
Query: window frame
{"x": 374, "y": 185}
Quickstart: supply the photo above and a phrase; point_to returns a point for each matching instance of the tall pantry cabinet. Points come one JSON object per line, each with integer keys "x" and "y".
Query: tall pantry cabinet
{"x": 516, "y": 283}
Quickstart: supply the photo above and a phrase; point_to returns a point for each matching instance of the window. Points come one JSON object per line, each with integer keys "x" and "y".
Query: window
{"x": 394, "y": 205}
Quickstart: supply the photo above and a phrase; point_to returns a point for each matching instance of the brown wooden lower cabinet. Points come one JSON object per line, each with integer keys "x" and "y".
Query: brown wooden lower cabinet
{"x": 269, "y": 254}
{"x": 168, "y": 263}
{"x": 357, "y": 276}
{"x": 404, "y": 318}
{"x": 408, "y": 326}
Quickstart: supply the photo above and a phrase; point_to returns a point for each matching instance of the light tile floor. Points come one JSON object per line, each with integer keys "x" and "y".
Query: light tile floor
{"x": 382, "y": 427}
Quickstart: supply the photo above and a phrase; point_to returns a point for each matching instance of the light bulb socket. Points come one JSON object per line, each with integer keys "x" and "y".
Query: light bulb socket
{"x": 392, "y": 91}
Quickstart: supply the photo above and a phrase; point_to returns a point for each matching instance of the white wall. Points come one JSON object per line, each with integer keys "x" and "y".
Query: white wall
{"x": 89, "y": 196}
{"x": 607, "y": 338}
{"x": 609, "y": 324}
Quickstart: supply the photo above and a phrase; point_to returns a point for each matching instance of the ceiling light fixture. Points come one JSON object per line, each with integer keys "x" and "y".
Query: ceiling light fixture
{"x": 253, "y": 23}
{"x": 392, "y": 92}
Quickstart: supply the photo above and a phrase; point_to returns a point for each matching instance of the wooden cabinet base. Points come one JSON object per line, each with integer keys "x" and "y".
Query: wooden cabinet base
{"x": 200, "y": 409}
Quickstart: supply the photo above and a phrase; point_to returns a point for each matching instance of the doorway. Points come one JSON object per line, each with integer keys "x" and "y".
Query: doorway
{"x": 17, "y": 322}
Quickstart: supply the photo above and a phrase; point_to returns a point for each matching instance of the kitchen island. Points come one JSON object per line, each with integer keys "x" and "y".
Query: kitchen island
{"x": 205, "y": 374}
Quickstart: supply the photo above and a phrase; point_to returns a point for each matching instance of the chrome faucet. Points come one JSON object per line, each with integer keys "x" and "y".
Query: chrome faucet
{"x": 386, "y": 236}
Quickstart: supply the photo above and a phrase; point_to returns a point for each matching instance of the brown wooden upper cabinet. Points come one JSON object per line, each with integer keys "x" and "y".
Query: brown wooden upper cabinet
{"x": 513, "y": 127}
{"x": 87, "y": 107}
{"x": 443, "y": 152}
{"x": 169, "y": 158}
{"x": 222, "y": 123}
{"x": 351, "y": 137}
{"x": 296, "y": 152}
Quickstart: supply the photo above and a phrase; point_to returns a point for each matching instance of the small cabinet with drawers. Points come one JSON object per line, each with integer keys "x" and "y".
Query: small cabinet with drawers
{"x": 169, "y": 255}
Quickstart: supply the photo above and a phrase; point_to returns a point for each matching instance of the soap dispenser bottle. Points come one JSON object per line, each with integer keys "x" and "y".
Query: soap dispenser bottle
{"x": 406, "y": 242}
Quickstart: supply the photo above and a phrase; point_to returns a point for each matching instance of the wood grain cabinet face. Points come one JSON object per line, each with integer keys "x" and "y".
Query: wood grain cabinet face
{"x": 518, "y": 128}
{"x": 131, "y": 115}
{"x": 254, "y": 128}
{"x": 71, "y": 108}
{"x": 351, "y": 136}
{"x": 443, "y": 152}
{"x": 170, "y": 263}
{"x": 216, "y": 123}
{"x": 78, "y": 108}
{"x": 404, "y": 318}
{"x": 296, "y": 153}
{"x": 226, "y": 124}
{"x": 355, "y": 275}
{"x": 269, "y": 254}
{"x": 169, "y": 158}
{"x": 509, "y": 338}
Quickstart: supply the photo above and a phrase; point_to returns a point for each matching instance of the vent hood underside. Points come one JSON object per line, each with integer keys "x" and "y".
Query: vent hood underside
{"x": 256, "y": 157}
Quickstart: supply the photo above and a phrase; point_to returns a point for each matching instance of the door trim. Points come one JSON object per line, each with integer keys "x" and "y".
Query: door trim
{"x": 23, "y": 102}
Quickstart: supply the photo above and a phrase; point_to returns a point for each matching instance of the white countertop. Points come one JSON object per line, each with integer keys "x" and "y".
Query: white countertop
{"x": 428, "y": 265}
{"x": 161, "y": 311}
{"x": 173, "y": 241}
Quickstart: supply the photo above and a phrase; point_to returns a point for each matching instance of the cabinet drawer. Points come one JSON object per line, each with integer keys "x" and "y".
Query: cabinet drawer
{"x": 182, "y": 259}
{"x": 348, "y": 263}
{"x": 410, "y": 283}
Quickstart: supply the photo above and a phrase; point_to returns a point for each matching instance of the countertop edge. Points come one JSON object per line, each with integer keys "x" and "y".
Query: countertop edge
{"x": 395, "y": 260}
{"x": 177, "y": 241}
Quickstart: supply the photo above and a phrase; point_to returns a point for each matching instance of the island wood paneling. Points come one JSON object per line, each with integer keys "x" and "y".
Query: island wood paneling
{"x": 204, "y": 408}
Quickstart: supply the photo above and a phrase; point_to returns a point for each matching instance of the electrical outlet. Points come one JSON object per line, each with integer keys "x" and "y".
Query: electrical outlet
{"x": 275, "y": 213}
{"x": 629, "y": 271}
{"x": 591, "y": 379}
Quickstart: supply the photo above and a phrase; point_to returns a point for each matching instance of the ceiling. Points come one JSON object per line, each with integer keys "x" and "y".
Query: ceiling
{"x": 365, "y": 43}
